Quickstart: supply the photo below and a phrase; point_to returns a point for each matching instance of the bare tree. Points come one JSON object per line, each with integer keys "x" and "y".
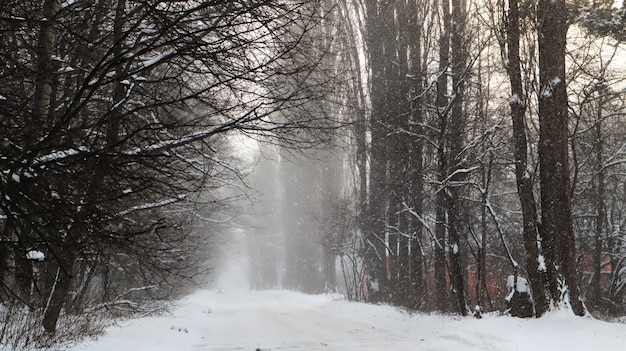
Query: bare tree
{"x": 523, "y": 174}
{"x": 119, "y": 121}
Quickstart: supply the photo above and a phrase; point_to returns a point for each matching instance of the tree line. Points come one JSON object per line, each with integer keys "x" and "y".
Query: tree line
{"x": 484, "y": 140}
{"x": 116, "y": 158}
{"x": 471, "y": 153}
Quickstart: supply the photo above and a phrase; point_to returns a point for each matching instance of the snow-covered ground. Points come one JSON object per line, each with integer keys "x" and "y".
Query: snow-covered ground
{"x": 238, "y": 319}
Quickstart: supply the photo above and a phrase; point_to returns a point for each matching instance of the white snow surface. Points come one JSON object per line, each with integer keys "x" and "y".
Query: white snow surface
{"x": 35, "y": 255}
{"x": 285, "y": 320}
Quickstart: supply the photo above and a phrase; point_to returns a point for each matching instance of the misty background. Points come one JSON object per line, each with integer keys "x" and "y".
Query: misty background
{"x": 286, "y": 237}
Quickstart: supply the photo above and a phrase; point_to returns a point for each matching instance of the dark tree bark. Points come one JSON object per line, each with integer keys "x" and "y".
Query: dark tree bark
{"x": 557, "y": 230}
{"x": 416, "y": 162}
{"x": 66, "y": 257}
{"x": 399, "y": 143}
{"x": 376, "y": 250}
{"x": 5, "y": 256}
{"x": 442, "y": 159}
{"x": 456, "y": 127}
{"x": 392, "y": 142}
{"x": 523, "y": 176}
{"x": 43, "y": 85}
{"x": 596, "y": 287}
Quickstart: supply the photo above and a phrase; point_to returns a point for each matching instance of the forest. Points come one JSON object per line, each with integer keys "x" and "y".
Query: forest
{"x": 407, "y": 152}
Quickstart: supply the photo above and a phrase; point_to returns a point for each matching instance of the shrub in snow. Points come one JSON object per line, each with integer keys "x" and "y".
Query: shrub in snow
{"x": 22, "y": 329}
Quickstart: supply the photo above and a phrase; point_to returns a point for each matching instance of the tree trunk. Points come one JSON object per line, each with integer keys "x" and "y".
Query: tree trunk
{"x": 5, "y": 255}
{"x": 330, "y": 269}
{"x": 378, "y": 195}
{"x": 60, "y": 287}
{"x": 556, "y": 214}
{"x": 456, "y": 136}
{"x": 442, "y": 159}
{"x": 416, "y": 159}
{"x": 596, "y": 290}
{"x": 481, "y": 265}
{"x": 24, "y": 277}
{"x": 44, "y": 76}
{"x": 522, "y": 174}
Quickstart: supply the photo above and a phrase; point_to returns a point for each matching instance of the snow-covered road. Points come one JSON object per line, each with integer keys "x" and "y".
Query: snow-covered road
{"x": 240, "y": 319}
{"x": 284, "y": 320}
{"x": 270, "y": 322}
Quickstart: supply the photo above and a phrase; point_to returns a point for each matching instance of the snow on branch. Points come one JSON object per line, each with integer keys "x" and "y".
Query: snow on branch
{"x": 215, "y": 221}
{"x": 548, "y": 89}
{"x": 373, "y": 246}
{"x": 417, "y": 216}
{"x": 494, "y": 216}
{"x": 152, "y": 205}
{"x": 456, "y": 172}
{"x": 517, "y": 100}
{"x": 147, "y": 63}
{"x": 120, "y": 302}
{"x": 199, "y": 135}
{"x": 59, "y": 155}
